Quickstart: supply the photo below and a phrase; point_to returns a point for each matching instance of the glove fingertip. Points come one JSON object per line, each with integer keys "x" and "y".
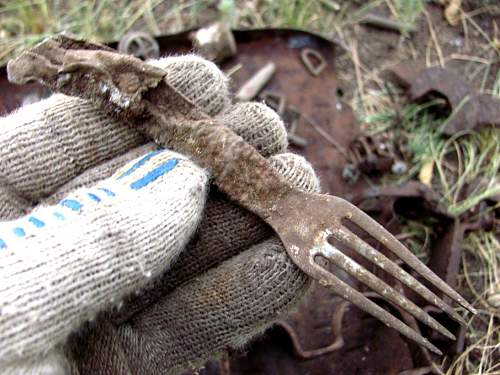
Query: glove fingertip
{"x": 258, "y": 125}
{"x": 198, "y": 79}
{"x": 297, "y": 170}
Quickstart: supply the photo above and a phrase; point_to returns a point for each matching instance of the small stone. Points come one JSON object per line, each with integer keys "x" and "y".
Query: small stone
{"x": 349, "y": 173}
{"x": 399, "y": 167}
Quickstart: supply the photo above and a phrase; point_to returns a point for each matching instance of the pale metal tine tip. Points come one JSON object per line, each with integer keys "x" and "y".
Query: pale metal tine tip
{"x": 327, "y": 279}
{"x": 375, "y": 256}
{"x": 386, "y": 238}
{"x": 366, "y": 277}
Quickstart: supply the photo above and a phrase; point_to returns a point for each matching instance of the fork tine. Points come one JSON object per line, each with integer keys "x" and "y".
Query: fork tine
{"x": 366, "y": 277}
{"x": 363, "y": 248}
{"x": 382, "y": 235}
{"x": 327, "y": 279}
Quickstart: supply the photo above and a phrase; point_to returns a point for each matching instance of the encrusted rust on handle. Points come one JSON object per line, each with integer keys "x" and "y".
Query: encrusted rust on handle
{"x": 70, "y": 66}
{"x": 237, "y": 168}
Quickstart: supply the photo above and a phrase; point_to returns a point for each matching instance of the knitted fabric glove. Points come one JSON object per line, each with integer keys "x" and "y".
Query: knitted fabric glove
{"x": 231, "y": 282}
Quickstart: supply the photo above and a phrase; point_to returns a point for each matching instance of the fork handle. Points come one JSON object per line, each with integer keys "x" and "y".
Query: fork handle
{"x": 236, "y": 167}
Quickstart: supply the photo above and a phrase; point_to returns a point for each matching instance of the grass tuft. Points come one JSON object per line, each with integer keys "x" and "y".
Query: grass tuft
{"x": 467, "y": 165}
{"x": 24, "y": 23}
{"x": 481, "y": 281}
{"x": 407, "y": 11}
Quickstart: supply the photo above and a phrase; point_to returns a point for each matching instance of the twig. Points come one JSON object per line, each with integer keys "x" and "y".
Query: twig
{"x": 326, "y": 136}
{"x": 233, "y": 69}
{"x": 357, "y": 69}
{"x": 477, "y": 59}
{"x": 434, "y": 38}
{"x": 386, "y": 23}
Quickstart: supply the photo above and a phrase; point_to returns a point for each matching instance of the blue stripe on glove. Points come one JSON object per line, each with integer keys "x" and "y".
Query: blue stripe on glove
{"x": 77, "y": 206}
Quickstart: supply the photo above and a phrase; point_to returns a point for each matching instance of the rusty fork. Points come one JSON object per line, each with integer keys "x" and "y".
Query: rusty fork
{"x": 305, "y": 222}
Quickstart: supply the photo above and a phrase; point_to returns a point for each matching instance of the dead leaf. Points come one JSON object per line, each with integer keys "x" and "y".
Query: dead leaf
{"x": 452, "y": 12}
{"x": 426, "y": 172}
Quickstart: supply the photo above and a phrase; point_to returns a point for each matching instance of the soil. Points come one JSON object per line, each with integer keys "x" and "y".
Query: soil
{"x": 462, "y": 50}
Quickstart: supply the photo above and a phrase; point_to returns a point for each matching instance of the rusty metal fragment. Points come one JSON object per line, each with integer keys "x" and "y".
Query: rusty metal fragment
{"x": 372, "y": 154}
{"x": 468, "y": 109}
{"x": 215, "y": 42}
{"x": 256, "y": 83}
{"x": 446, "y": 251}
{"x": 385, "y": 23}
{"x": 139, "y": 44}
{"x": 274, "y": 100}
{"x": 429, "y": 199}
{"x": 313, "y": 61}
{"x": 66, "y": 64}
{"x": 292, "y": 118}
{"x": 337, "y": 342}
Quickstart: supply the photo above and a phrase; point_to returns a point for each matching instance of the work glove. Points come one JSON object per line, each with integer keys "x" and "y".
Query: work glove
{"x": 118, "y": 256}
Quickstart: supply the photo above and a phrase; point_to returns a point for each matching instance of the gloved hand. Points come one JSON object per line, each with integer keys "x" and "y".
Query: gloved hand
{"x": 116, "y": 258}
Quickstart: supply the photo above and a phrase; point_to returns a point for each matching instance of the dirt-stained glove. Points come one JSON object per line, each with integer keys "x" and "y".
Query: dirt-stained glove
{"x": 109, "y": 235}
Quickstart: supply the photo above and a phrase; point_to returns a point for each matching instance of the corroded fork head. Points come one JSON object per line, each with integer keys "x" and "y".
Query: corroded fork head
{"x": 306, "y": 224}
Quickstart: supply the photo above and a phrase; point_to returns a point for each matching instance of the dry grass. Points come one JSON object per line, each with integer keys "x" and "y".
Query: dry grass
{"x": 480, "y": 278}
{"x": 25, "y": 22}
{"x": 476, "y": 156}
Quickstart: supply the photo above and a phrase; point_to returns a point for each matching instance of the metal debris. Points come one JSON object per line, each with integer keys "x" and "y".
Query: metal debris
{"x": 337, "y": 342}
{"x": 256, "y": 83}
{"x": 468, "y": 109}
{"x": 292, "y": 117}
{"x": 139, "y": 44}
{"x": 315, "y": 217}
{"x": 415, "y": 200}
{"x": 372, "y": 154}
{"x": 313, "y": 60}
{"x": 215, "y": 42}
{"x": 274, "y": 100}
{"x": 370, "y": 347}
